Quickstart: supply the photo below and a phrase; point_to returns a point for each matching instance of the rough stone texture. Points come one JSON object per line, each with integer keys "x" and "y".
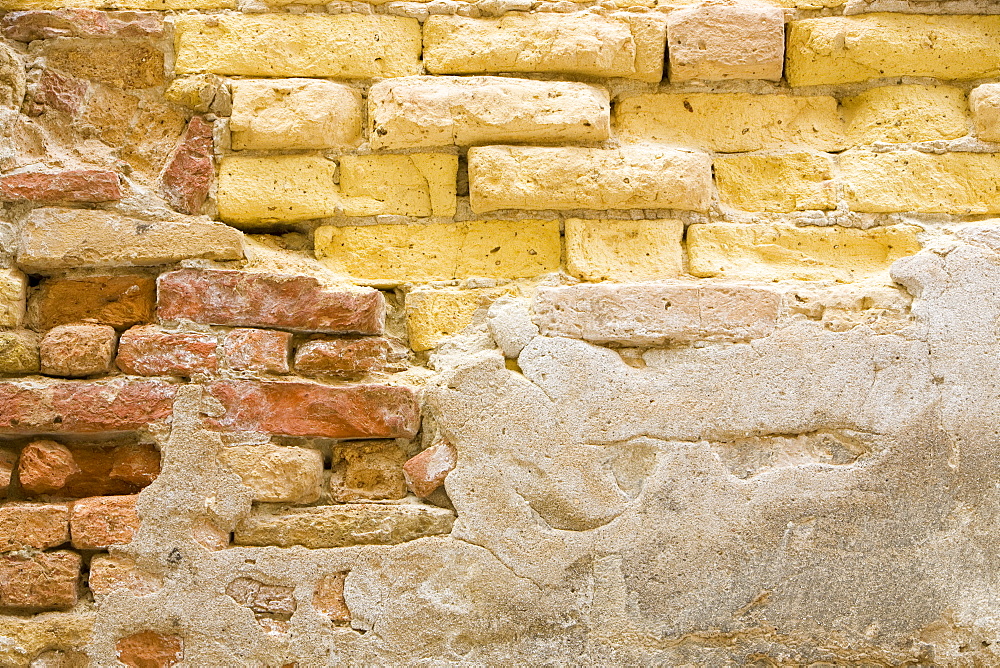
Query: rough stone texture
{"x": 624, "y": 250}
{"x": 148, "y": 648}
{"x": 329, "y": 598}
{"x": 19, "y": 352}
{"x": 51, "y": 469}
{"x": 418, "y": 184}
{"x": 256, "y": 192}
{"x": 77, "y": 185}
{"x": 262, "y": 350}
{"x": 417, "y": 112}
{"x": 33, "y": 525}
{"x": 282, "y": 474}
{"x": 12, "y": 80}
{"x": 633, "y": 177}
{"x": 110, "y": 574}
{"x": 188, "y": 177}
{"x": 367, "y": 471}
{"x": 77, "y": 351}
{"x": 901, "y": 114}
{"x": 263, "y": 598}
{"x": 716, "y": 41}
{"x": 27, "y": 26}
{"x": 148, "y": 350}
{"x": 119, "y": 301}
{"x": 427, "y": 471}
{"x": 121, "y": 63}
{"x": 238, "y": 299}
{"x": 8, "y": 464}
{"x": 13, "y": 290}
{"x": 434, "y": 315}
{"x": 100, "y": 521}
{"x": 985, "y": 104}
{"x": 780, "y": 182}
{"x": 42, "y": 581}
{"x": 346, "y": 359}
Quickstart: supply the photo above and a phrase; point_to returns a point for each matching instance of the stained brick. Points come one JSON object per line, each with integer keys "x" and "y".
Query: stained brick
{"x": 261, "y": 350}
{"x": 426, "y": 471}
{"x": 74, "y": 185}
{"x": 31, "y": 25}
{"x": 344, "y": 358}
{"x": 188, "y": 177}
{"x": 148, "y": 350}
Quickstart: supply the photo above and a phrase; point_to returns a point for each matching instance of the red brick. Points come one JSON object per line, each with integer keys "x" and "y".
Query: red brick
{"x": 264, "y": 350}
{"x": 150, "y": 650}
{"x": 119, "y": 301}
{"x": 72, "y": 185}
{"x": 73, "y": 407}
{"x": 329, "y": 598}
{"x": 41, "y": 24}
{"x": 100, "y": 521}
{"x": 311, "y": 409}
{"x": 135, "y": 464}
{"x": 345, "y": 358}
{"x": 427, "y": 471}
{"x": 45, "y": 467}
{"x": 60, "y": 92}
{"x": 8, "y": 462}
{"x": 244, "y": 299}
{"x": 43, "y": 581}
{"x": 35, "y": 525}
{"x": 76, "y": 351}
{"x": 122, "y": 63}
{"x": 53, "y": 469}
{"x": 188, "y": 176}
{"x": 147, "y": 350}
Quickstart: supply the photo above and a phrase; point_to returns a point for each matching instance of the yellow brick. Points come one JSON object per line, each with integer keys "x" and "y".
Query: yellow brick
{"x": 733, "y": 122}
{"x": 299, "y": 45}
{"x": 778, "y": 252}
{"x": 962, "y": 183}
{"x": 283, "y": 188}
{"x": 161, "y": 5}
{"x": 899, "y": 114}
{"x": 782, "y": 182}
{"x": 388, "y": 255}
{"x": 624, "y": 250}
{"x": 621, "y": 44}
{"x": 842, "y": 49}
{"x": 13, "y": 291}
{"x": 435, "y": 315}
{"x": 420, "y": 184}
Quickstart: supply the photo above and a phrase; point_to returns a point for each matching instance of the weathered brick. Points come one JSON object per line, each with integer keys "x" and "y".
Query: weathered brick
{"x": 781, "y": 182}
{"x": 465, "y": 111}
{"x": 50, "y": 468}
{"x": 984, "y": 101}
{"x": 340, "y": 526}
{"x": 418, "y": 184}
{"x": 74, "y": 407}
{"x": 732, "y": 122}
{"x": 119, "y": 301}
{"x": 188, "y": 177}
{"x": 72, "y": 185}
{"x": 58, "y": 91}
{"x": 33, "y": 525}
{"x": 651, "y": 314}
{"x": 8, "y": 463}
{"x": 434, "y": 315}
{"x": 294, "y": 113}
{"x": 13, "y": 290}
{"x": 367, "y": 471}
{"x": 387, "y": 255}
{"x": 148, "y": 350}
{"x": 624, "y": 250}
{"x": 261, "y": 350}
{"x": 122, "y": 63}
{"x": 45, "y": 466}
{"x": 616, "y": 45}
{"x": 19, "y": 352}
{"x": 328, "y": 598}
{"x": 347, "y": 46}
{"x": 124, "y": 4}
{"x": 718, "y": 41}
{"x": 28, "y": 26}
{"x": 908, "y": 113}
{"x": 100, "y": 521}
{"x": 76, "y": 351}
{"x": 275, "y": 473}
{"x": 255, "y": 192}
{"x": 347, "y": 359}
{"x": 149, "y": 649}
{"x": 774, "y": 252}
{"x": 112, "y": 574}
{"x": 842, "y": 49}
{"x": 962, "y": 183}
{"x": 54, "y": 238}
{"x": 633, "y": 177}
{"x": 245, "y": 299}
{"x": 310, "y": 409}
{"x": 427, "y": 471}
{"x": 41, "y": 581}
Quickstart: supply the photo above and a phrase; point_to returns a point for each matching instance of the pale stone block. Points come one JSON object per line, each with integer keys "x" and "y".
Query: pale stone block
{"x": 13, "y": 293}
{"x": 435, "y": 315}
{"x": 779, "y": 252}
{"x": 733, "y": 122}
{"x": 624, "y": 250}
{"x": 782, "y": 182}
{"x": 157, "y": 5}
{"x": 419, "y": 184}
{"x": 466, "y": 111}
{"x": 985, "y": 103}
{"x": 620, "y": 44}
{"x": 257, "y": 191}
{"x": 276, "y": 473}
{"x": 294, "y": 113}
{"x": 909, "y": 113}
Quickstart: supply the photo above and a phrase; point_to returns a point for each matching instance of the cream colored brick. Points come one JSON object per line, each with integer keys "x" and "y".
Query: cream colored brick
{"x": 157, "y": 5}
{"x": 351, "y": 46}
{"x": 435, "y": 315}
{"x": 842, "y": 49}
{"x": 440, "y": 111}
{"x": 899, "y": 114}
{"x": 633, "y": 177}
{"x": 419, "y": 184}
{"x": 781, "y": 182}
{"x": 257, "y": 191}
{"x": 961, "y": 183}
{"x": 621, "y": 44}
{"x": 13, "y": 292}
{"x": 733, "y": 122}
{"x": 388, "y": 255}
{"x": 294, "y": 113}
{"x": 779, "y": 252}
{"x": 276, "y": 473}
{"x": 985, "y": 103}
{"x": 624, "y": 250}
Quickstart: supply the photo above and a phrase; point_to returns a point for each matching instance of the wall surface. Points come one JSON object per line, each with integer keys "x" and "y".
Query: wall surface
{"x": 508, "y": 332}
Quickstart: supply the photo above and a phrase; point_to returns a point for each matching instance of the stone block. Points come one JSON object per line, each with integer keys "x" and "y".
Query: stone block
{"x": 715, "y": 41}
{"x": 188, "y": 176}
{"x": 624, "y": 250}
{"x": 294, "y": 114}
{"x": 121, "y": 63}
{"x": 41, "y": 581}
{"x": 38, "y": 526}
{"x": 656, "y": 314}
{"x": 367, "y": 471}
{"x": 619, "y": 44}
{"x": 148, "y": 350}
{"x": 71, "y": 185}
{"x": 54, "y": 238}
{"x": 418, "y": 184}
{"x": 984, "y": 101}
{"x": 732, "y": 122}
{"x": 908, "y": 113}
{"x": 28, "y": 26}
{"x": 19, "y": 352}
{"x": 328, "y": 598}
{"x": 388, "y": 255}
{"x": 246, "y": 299}
{"x": 344, "y": 46}
{"x": 77, "y": 351}
{"x": 426, "y": 472}
{"x": 779, "y": 252}
{"x": 125, "y": 4}
{"x": 415, "y": 112}
{"x": 261, "y": 350}
{"x": 435, "y": 315}
{"x": 98, "y": 522}
{"x": 632, "y": 177}
{"x": 149, "y": 648}
{"x": 779, "y": 182}
{"x": 346, "y": 359}
{"x": 282, "y": 474}
{"x": 119, "y": 301}
{"x": 13, "y": 291}
{"x": 258, "y": 191}
{"x": 844, "y": 49}
{"x": 344, "y": 525}
{"x": 113, "y": 574}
